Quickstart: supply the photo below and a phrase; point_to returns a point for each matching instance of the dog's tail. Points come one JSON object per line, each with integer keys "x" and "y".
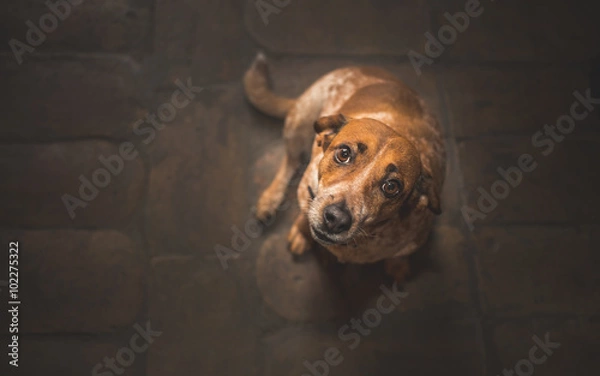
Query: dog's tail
{"x": 258, "y": 91}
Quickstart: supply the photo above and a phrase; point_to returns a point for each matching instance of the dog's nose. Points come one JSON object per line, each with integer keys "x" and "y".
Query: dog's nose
{"x": 337, "y": 218}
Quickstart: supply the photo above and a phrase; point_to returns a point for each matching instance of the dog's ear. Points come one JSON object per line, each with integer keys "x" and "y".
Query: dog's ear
{"x": 327, "y": 127}
{"x": 429, "y": 195}
{"x": 332, "y": 123}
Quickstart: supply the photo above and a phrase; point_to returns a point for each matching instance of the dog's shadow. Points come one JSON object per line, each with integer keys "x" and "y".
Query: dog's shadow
{"x": 315, "y": 287}
{"x": 362, "y": 284}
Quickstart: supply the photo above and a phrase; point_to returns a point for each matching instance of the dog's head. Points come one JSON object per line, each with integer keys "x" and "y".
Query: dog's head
{"x": 367, "y": 176}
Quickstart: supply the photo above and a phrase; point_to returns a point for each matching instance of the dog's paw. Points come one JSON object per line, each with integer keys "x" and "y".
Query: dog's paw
{"x": 297, "y": 241}
{"x": 265, "y": 209}
{"x": 398, "y": 268}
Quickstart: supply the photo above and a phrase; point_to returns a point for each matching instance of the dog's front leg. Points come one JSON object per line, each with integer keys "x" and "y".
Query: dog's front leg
{"x": 273, "y": 196}
{"x": 298, "y": 135}
{"x": 299, "y": 238}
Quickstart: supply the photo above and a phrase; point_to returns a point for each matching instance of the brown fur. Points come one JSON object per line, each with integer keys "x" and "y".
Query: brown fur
{"x": 391, "y": 135}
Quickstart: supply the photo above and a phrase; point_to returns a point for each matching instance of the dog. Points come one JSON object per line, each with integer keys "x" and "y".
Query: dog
{"x": 376, "y": 165}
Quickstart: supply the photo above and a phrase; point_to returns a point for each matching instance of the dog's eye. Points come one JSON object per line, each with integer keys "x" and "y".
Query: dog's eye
{"x": 343, "y": 155}
{"x": 391, "y": 188}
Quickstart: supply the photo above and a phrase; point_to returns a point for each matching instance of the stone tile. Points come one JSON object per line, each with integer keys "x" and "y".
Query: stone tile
{"x": 158, "y": 73}
{"x": 430, "y": 331}
{"x": 547, "y": 269}
{"x": 421, "y": 334}
{"x": 200, "y": 310}
{"x": 38, "y": 175}
{"x": 452, "y": 189}
{"x": 396, "y": 343}
{"x": 76, "y": 98}
{"x": 111, "y": 26}
{"x": 564, "y": 32}
{"x": 579, "y": 340}
{"x": 539, "y": 31}
{"x": 77, "y": 281}
{"x": 412, "y": 347}
{"x": 492, "y": 100}
{"x": 445, "y": 5}
{"x": 270, "y": 155}
{"x": 200, "y": 183}
{"x": 289, "y": 349}
{"x": 556, "y": 191}
{"x": 315, "y": 27}
{"x": 418, "y": 343}
{"x": 298, "y": 290}
{"x": 487, "y": 36}
{"x": 68, "y": 356}
{"x": 441, "y": 275}
{"x": 174, "y": 27}
{"x": 209, "y": 39}
{"x": 427, "y": 358}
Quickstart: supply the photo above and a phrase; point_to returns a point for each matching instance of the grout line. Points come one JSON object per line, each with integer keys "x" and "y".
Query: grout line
{"x": 20, "y": 141}
{"x": 567, "y": 224}
{"x": 584, "y": 135}
{"x": 484, "y": 338}
{"x": 9, "y": 228}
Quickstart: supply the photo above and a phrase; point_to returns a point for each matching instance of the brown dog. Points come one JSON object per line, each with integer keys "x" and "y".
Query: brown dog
{"x": 377, "y": 164}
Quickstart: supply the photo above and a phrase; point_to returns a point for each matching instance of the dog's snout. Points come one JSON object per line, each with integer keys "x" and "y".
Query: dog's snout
{"x": 337, "y": 218}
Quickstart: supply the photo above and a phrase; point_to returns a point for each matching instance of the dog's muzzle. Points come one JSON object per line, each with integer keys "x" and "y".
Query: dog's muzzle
{"x": 336, "y": 221}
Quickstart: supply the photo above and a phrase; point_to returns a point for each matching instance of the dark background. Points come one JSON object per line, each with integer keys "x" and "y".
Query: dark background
{"x": 143, "y": 249}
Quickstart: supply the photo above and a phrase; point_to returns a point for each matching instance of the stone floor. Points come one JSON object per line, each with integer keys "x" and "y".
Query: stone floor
{"x": 140, "y": 250}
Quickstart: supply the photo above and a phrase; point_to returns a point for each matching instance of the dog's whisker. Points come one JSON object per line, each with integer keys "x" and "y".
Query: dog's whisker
{"x": 363, "y": 233}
